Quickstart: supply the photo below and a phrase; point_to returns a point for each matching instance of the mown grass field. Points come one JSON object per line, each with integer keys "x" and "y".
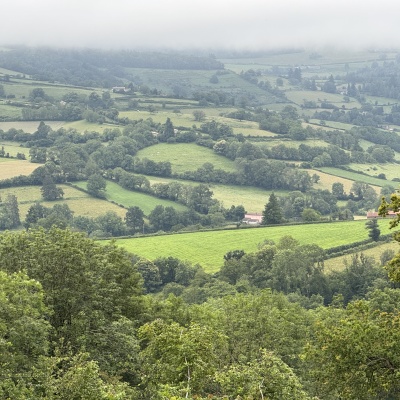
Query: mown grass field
{"x": 10, "y": 168}
{"x": 185, "y": 157}
{"x": 8, "y": 112}
{"x": 29, "y": 126}
{"x": 127, "y": 198}
{"x": 21, "y": 88}
{"x": 185, "y": 119}
{"x": 338, "y": 263}
{"x": 354, "y": 176}
{"x": 326, "y": 180}
{"x": 391, "y": 170}
{"x": 318, "y": 96}
{"x": 79, "y": 202}
{"x": 13, "y": 148}
{"x": 331, "y": 125}
{"x": 208, "y": 248}
{"x": 251, "y": 198}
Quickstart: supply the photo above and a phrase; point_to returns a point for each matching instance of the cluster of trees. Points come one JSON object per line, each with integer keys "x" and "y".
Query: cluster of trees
{"x": 76, "y": 323}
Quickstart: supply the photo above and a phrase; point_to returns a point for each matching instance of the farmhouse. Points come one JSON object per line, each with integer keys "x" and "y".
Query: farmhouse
{"x": 252, "y": 219}
{"x": 374, "y": 214}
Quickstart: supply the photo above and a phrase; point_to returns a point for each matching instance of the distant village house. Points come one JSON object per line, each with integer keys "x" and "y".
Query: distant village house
{"x": 252, "y": 219}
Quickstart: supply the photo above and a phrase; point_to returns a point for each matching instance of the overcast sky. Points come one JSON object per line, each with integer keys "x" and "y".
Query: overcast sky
{"x": 157, "y": 24}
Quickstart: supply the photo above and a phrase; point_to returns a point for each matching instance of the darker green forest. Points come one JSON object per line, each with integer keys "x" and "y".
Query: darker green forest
{"x": 85, "y": 320}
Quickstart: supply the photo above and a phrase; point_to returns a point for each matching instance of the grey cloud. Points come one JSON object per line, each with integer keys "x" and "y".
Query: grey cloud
{"x": 194, "y": 23}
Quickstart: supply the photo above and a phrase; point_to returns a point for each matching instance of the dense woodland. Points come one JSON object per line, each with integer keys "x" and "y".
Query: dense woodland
{"x": 85, "y": 319}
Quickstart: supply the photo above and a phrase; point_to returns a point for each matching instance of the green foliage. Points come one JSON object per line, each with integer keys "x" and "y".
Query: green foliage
{"x": 272, "y": 213}
{"x": 358, "y": 349}
{"x": 186, "y": 357}
{"x": 264, "y": 377}
{"x": 373, "y": 229}
{"x": 50, "y": 191}
{"x": 96, "y": 185}
{"x": 9, "y": 213}
{"x": 24, "y": 331}
{"x": 77, "y": 275}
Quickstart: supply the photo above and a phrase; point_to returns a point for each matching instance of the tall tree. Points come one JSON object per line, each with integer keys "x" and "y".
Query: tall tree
{"x": 272, "y": 214}
{"x": 134, "y": 219}
{"x": 96, "y": 185}
{"x": 373, "y": 229}
{"x": 50, "y": 191}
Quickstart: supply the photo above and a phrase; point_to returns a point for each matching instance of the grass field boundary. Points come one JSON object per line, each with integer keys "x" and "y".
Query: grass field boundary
{"x": 347, "y": 174}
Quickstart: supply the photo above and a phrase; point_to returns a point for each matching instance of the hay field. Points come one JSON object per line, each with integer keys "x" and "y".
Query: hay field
{"x": 79, "y": 202}
{"x": 338, "y": 263}
{"x": 326, "y": 181}
{"x": 10, "y": 168}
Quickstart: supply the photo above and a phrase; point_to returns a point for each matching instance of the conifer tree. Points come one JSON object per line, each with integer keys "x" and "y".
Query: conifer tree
{"x": 272, "y": 214}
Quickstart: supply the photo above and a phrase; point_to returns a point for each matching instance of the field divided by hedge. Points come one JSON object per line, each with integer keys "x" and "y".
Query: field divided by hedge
{"x": 208, "y": 247}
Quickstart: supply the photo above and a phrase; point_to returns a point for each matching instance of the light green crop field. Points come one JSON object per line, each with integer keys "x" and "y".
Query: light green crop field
{"x": 208, "y": 248}
{"x": 354, "y": 176}
{"x": 129, "y": 198}
{"x": 338, "y": 263}
{"x": 10, "y": 168}
{"x": 185, "y": 157}
{"x": 391, "y": 170}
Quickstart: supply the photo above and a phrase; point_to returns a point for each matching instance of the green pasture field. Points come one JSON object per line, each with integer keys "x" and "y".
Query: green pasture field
{"x": 83, "y": 125}
{"x": 293, "y": 143}
{"x": 191, "y": 80}
{"x": 79, "y": 202}
{"x": 185, "y": 156}
{"x": 5, "y": 71}
{"x": 178, "y": 119}
{"x": 21, "y": 88}
{"x": 391, "y": 170}
{"x": 331, "y": 125}
{"x": 251, "y": 198}
{"x": 338, "y": 263}
{"x": 13, "y": 148}
{"x": 185, "y": 119}
{"x": 29, "y": 126}
{"x": 326, "y": 180}
{"x": 128, "y": 198}
{"x": 8, "y": 112}
{"x": 354, "y": 176}
{"x": 302, "y": 57}
{"x": 299, "y": 96}
{"x": 207, "y": 248}
{"x": 12, "y": 167}
{"x": 365, "y": 144}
